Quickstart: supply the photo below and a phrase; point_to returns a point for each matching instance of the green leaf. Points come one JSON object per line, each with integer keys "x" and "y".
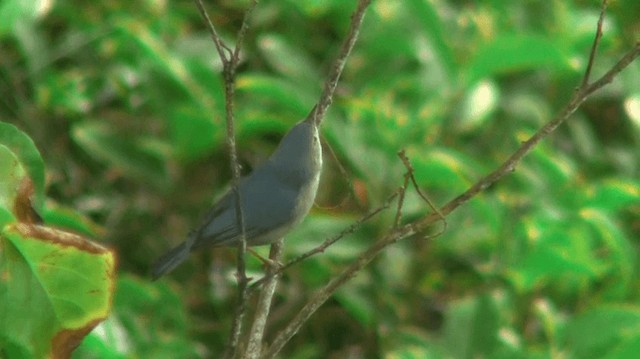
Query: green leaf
{"x": 471, "y": 327}
{"x": 297, "y": 67}
{"x": 358, "y": 303}
{"x": 56, "y": 286}
{"x": 442, "y": 168}
{"x": 294, "y": 97}
{"x": 130, "y": 154}
{"x": 629, "y": 348}
{"x": 6, "y": 217}
{"x": 11, "y": 175}
{"x": 65, "y": 94}
{"x": 615, "y": 194}
{"x": 618, "y": 251}
{"x": 410, "y": 343}
{"x": 193, "y": 133}
{"x": 314, "y": 7}
{"x": 25, "y": 151}
{"x": 316, "y": 228}
{"x": 64, "y": 217}
{"x": 515, "y": 52}
{"x": 169, "y": 63}
{"x": 562, "y": 254}
{"x": 604, "y": 331}
{"x": 13, "y": 12}
{"x": 107, "y": 341}
{"x": 429, "y": 20}
{"x": 556, "y": 170}
{"x": 154, "y": 320}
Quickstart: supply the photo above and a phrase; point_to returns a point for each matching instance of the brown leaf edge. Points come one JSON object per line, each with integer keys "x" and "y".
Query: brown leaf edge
{"x": 67, "y": 340}
{"x": 22, "y": 206}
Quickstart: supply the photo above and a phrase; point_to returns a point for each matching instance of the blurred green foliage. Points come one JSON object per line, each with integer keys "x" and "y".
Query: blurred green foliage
{"x": 125, "y": 102}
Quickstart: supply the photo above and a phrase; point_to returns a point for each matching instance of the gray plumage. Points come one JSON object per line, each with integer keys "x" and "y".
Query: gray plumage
{"x": 276, "y": 196}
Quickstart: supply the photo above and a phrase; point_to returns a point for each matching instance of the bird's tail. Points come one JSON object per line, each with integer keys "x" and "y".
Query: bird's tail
{"x": 170, "y": 260}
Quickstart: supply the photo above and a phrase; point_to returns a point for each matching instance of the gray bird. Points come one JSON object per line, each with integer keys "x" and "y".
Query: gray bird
{"x": 275, "y": 197}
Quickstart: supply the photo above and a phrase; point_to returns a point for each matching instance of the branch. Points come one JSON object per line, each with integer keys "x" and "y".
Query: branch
{"x": 230, "y": 60}
{"x": 256, "y": 335}
{"x": 332, "y": 81}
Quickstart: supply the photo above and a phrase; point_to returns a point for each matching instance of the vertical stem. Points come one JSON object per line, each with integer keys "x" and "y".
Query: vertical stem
{"x": 256, "y": 335}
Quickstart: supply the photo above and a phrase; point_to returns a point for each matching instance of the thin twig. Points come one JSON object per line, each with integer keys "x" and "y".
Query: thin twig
{"x": 344, "y": 174}
{"x": 407, "y": 164}
{"x": 608, "y": 77}
{"x": 332, "y": 80}
{"x": 243, "y": 30}
{"x": 594, "y": 46}
{"x": 322, "y": 247}
{"x": 220, "y": 45}
{"x": 400, "y": 205}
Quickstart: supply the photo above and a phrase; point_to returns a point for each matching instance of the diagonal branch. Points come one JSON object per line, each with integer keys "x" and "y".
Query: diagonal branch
{"x": 332, "y": 81}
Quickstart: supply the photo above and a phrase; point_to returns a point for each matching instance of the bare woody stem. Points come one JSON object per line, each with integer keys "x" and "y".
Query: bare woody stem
{"x": 230, "y": 59}
{"x": 332, "y": 80}
{"x": 259, "y": 322}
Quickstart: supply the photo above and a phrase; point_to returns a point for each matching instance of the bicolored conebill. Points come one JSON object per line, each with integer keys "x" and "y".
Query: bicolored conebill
{"x": 275, "y": 197}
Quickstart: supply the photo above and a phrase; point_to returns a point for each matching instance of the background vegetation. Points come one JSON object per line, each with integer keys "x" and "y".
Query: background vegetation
{"x": 124, "y": 102}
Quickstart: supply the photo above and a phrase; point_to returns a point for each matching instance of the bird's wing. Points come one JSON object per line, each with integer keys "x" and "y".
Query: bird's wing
{"x": 266, "y": 206}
